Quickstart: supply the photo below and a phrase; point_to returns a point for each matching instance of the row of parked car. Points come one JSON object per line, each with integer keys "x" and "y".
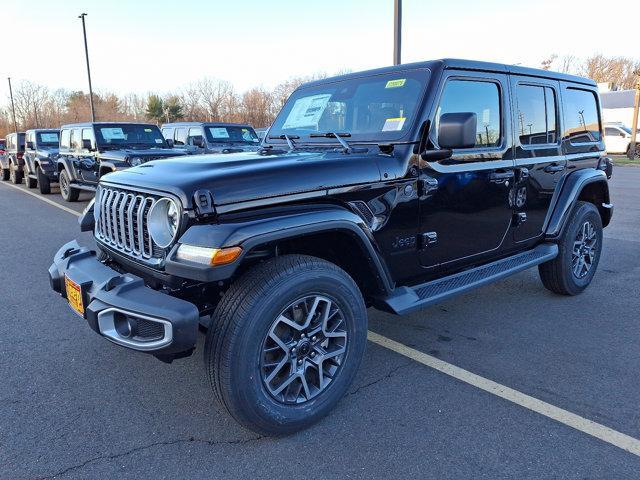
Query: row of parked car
{"x": 77, "y": 155}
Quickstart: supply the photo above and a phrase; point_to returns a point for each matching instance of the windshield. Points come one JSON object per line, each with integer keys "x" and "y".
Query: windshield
{"x": 129, "y": 135}
{"x": 375, "y": 108}
{"x": 229, "y": 134}
{"x": 47, "y": 139}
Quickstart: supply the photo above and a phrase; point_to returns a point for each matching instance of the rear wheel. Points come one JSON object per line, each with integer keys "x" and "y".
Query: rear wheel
{"x": 285, "y": 343}
{"x": 68, "y": 193}
{"x": 44, "y": 184}
{"x": 15, "y": 175}
{"x": 579, "y": 253}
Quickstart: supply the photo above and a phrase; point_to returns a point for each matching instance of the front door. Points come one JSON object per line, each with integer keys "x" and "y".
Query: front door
{"x": 465, "y": 213}
{"x": 539, "y": 160}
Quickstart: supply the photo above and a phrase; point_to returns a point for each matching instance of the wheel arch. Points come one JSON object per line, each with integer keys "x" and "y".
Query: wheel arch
{"x": 587, "y": 185}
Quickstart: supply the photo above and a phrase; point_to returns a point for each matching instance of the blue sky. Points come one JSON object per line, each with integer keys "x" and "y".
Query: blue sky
{"x": 159, "y": 46}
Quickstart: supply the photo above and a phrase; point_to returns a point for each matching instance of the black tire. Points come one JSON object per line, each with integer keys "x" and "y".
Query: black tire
{"x": 236, "y": 343}
{"x": 44, "y": 183}
{"x": 15, "y": 175}
{"x": 69, "y": 194}
{"x": 31, "y": 182}
{"x": 5, "y": 174}
{"x": 577, "y": 261}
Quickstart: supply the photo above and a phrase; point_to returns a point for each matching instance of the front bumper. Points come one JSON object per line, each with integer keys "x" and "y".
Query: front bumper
{"x": 122, "y": 308}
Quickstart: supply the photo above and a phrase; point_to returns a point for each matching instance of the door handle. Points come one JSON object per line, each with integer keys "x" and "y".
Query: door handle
{"x": 500, "y": 176}
{"x": 553, "y": 168}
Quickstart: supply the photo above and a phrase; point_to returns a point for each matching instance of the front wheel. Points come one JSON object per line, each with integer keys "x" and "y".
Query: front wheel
{"x": 285, "y": 343}
{"x": 579, "y": 253}
{"x": 5, "y": 174}
{"x": 68, "y": 193}
{"x": 31, "y": 182}
{"x": 44, "y": 184}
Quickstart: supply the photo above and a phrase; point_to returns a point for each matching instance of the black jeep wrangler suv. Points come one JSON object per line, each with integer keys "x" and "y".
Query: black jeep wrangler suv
{"x": 90, "y": 150}
{"x": 40, "y": 156}
{"x": 393, "y": 188}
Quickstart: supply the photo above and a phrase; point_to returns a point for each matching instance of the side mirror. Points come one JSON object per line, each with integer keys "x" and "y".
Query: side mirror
{"x": 197, "y": 141}
{"x": 457, "y": 130}
{"x": 30, "y": 145}
{"x": 86, "y": 144}
{"x": 170, "y": 142}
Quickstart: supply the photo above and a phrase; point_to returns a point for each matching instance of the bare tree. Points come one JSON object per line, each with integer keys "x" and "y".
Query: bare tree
{"x": 215, "y": 95}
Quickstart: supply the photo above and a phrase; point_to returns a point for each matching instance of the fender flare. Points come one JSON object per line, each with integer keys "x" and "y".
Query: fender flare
{"x": 567, "y": 194}
{"x": 256, "y": 231}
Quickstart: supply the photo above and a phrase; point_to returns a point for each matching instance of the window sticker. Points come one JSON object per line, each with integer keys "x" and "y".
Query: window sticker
{"x": 393, "y": 124}
{"x": 396, "y": 83}
{"x": 158, "y": 140}
{"x": 49, "y": 137}
{"x": 148, "y": 130}
{"x": 306, "y": 112}
{"x": 113, "y": 133}
{"x": 219, "y": 132}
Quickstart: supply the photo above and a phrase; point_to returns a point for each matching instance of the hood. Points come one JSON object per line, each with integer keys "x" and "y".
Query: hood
{"x": 239, "y": 177}
{"x": 47, "y": 151}
{"x": 146, "y": 153}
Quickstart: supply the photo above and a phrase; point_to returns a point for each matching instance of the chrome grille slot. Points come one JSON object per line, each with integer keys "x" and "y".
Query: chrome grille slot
{"x": 122, "y": 223}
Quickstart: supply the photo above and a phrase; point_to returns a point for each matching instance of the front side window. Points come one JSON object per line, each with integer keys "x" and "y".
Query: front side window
{"x": 181, "y": 136}
{"x": 373, "y": 108}
{"x": 582, "y": 124}
{"x": 536, "y": 121}
{"x": 229, "y": 134}
{"x": 129, "y": 135}
{"x": 65, "y": 139}
{"x": 481, "y": 98}
{"x": 48, "y": 139}
{"x": 194, "y": 132}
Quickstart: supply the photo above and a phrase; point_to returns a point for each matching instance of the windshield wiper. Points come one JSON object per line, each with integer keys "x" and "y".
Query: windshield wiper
{"x": 337, "y": 136}
{"x": 288, "y": 138}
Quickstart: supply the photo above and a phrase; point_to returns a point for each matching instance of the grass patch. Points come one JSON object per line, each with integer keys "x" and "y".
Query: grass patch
{"x": 623, "y": 161}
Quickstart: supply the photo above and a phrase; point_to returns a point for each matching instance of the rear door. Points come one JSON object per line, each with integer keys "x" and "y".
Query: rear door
{"x": 465, "y": 213}
{"x": 539, "y": 160}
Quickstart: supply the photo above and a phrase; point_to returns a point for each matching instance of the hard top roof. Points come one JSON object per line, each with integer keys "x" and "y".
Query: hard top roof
{"x": 89, "y": 124}
{"x": 205, "y": 124}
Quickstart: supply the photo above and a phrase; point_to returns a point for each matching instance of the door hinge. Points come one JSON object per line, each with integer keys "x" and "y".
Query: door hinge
{"x": 203, "y": 201}
{"x": 425, "y": 240}
{"x": 426, "y": 185}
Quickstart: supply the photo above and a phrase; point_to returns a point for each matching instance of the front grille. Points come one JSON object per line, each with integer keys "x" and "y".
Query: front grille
{"x": 122, "y": 222}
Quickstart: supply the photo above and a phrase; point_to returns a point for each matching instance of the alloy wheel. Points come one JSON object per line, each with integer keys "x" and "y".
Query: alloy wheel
{"x": 304, "y": 349}
{"x": 584, "y": 250}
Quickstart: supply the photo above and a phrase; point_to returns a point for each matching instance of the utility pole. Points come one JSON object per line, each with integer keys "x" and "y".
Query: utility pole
{"x": 86, "y": 54}
{"x": 397, "y": 31}
{"x": 634, "y": 123}
{"x": 13, "y": 107}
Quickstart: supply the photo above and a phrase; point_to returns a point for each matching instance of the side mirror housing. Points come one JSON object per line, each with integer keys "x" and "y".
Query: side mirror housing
{"x": 457, "y": 130}
{"x": 170, "y": 142}
{"x": 86, "y": 144}
{"x": 198, "y": 141}
{"x": 29, "y": 145}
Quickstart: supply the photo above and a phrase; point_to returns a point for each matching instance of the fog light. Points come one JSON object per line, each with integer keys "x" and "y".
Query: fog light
{"x": 207, "y": 256}
{"x": 122, "y": 325}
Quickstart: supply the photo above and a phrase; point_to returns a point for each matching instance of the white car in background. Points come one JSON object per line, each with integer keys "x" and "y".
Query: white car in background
{"x": 617, "y": 137}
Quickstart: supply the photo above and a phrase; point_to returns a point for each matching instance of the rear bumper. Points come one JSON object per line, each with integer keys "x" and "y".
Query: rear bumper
{"x": 122, "y": 308}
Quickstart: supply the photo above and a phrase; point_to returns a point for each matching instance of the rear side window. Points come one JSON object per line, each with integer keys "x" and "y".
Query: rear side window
{"x": 481, "y": 98}
{"x": 181, "y": 136}
{"x": 65, "y": 139}
{"x": 536, "y": 115}
{"x": 582, "y": 124}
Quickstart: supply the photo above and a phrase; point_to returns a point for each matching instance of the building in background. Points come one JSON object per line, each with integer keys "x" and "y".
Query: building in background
{"x": 617, "y": 106}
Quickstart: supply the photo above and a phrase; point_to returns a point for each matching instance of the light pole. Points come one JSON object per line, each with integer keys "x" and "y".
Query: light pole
{"x": 634, "y": 122}
{"x": 13, "y": 107}
{"x": 397, "y": 31}
{"x": 86, "y": 54}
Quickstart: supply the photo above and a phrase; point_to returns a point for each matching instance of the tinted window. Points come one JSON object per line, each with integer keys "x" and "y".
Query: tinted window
{"x": 536, "y": 115}
{"x": 128, "y": 134}
{"x": 230, "y": 134}
{"x": 612, "y": 132}
{"x": 481, "y": 98}
{"x": 181, "y": 136}
{"x": 581, "y": 116}
{"x": 65, "y": 139}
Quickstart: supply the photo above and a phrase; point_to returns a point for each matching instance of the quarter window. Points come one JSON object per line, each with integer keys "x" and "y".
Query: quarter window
{"x": 481, "y": 98}
{"x": 536, "y": 115}
{"x": 581, "y": 116}
{"x": 65, "y": 139}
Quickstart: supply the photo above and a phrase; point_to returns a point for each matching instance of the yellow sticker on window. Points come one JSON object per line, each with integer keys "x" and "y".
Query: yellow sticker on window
{"x": 393, "y": 124}
{"x": 396, "y": 83}
{"x": 148, "y": 130}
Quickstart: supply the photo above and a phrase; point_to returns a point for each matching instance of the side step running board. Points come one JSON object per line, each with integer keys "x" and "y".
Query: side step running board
{"x": 407, "y": 299}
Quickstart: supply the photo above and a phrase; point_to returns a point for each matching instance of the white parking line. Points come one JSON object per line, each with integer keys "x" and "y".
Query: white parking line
{"x": 44, "y": 199}
{"x": 606, "y": 434}
{"x": 620, "y": 440}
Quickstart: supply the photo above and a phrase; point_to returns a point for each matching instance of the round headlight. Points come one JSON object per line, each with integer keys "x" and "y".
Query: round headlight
{"x": 135, "y": 161}
{"x": 163, "y": 222}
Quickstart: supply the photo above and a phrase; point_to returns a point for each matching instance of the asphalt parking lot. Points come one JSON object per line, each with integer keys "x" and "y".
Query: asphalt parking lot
{"x": 73, "y": 405}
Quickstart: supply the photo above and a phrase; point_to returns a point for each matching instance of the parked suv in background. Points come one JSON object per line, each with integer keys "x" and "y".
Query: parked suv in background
{"x": 617, "y": 138}
{"x": 40, "y": 155}
{"x": 90, "y": 150}
{"x": 12, "y": 162}
{"x": 3, "y": 153}
{"x": 210, "y": 137}
{"x": 394, "y": 188}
